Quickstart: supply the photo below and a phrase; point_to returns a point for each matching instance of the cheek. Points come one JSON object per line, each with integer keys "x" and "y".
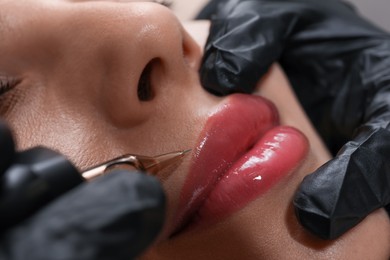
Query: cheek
{"x": 67, "y": 135}
{"x": 39, "y": 117}
{"x": 79, "y": 127}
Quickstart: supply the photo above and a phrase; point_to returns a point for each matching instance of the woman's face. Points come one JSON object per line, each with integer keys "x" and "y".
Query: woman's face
{"x": 98, "y": 79}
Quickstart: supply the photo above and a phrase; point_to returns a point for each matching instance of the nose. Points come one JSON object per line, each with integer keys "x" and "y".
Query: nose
{"x": 169, "y": 36}
{"x": 164, "y": 60}
{"x": 172, "y": 53}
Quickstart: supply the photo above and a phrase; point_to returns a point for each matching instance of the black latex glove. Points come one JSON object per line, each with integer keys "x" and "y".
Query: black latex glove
{"x": 113, "y": 217}
{"x": 7, "y": 148}
{"x": 339, "y": 66}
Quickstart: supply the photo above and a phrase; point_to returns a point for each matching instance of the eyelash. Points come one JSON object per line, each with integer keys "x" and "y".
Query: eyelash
{"x": 7, "y": 84}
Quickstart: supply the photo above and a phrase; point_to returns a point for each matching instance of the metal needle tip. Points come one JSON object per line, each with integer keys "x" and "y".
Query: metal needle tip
{"x": 152, "y": 165}
{"x": 158, "y": 163}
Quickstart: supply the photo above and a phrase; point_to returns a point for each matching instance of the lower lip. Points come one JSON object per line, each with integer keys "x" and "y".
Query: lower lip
{"x": 242, "y": 154}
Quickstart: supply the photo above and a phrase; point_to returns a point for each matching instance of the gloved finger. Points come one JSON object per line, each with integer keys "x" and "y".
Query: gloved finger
{"x": 245, "y": 38}
{"x": 357, "y": 182}
{"x": 341, "y": 193}
{"x": 335, "y": 65}
{"x": 35, "y": 177}
{"x": 114, "y": 217}
{"x": 7, "y": 147}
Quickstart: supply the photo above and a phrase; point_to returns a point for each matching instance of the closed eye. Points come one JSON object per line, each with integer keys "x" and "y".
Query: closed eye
{"x": 7, "y": 83}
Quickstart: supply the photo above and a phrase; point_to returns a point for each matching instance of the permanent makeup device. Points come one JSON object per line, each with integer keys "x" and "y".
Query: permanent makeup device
{"x": 39, "y": 175}
{"x": 151, "y": 165}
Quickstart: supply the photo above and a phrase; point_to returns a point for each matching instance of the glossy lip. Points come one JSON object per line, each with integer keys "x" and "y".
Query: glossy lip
{"x": 241, "y": 127}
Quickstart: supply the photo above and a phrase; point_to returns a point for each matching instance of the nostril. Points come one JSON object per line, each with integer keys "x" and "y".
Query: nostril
{"x": 145, "y": 89}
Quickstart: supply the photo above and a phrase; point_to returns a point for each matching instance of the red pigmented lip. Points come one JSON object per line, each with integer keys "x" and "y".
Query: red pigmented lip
{"x": 243, "y": 128}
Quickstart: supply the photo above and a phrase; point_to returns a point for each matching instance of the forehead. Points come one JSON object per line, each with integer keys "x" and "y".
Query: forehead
{"x": 14, "y": 13}
{"x": 5, "y": 12}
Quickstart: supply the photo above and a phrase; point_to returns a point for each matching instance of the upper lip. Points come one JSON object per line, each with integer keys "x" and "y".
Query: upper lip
{"x": 231, "y": 132}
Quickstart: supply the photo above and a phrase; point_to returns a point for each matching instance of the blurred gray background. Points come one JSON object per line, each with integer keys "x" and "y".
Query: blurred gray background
{"x": 378, "y": 11}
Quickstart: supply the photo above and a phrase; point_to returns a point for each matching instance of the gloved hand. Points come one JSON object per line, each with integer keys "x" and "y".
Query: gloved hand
{"x": 113, "y": 217}
{"x": 339, "y": 66}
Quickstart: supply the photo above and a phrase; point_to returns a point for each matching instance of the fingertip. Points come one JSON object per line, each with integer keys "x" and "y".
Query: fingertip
{"x": 222, "y": 74}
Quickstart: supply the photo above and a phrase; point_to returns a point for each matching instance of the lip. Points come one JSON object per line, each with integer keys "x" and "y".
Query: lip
{"x": 237, "y": 159}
